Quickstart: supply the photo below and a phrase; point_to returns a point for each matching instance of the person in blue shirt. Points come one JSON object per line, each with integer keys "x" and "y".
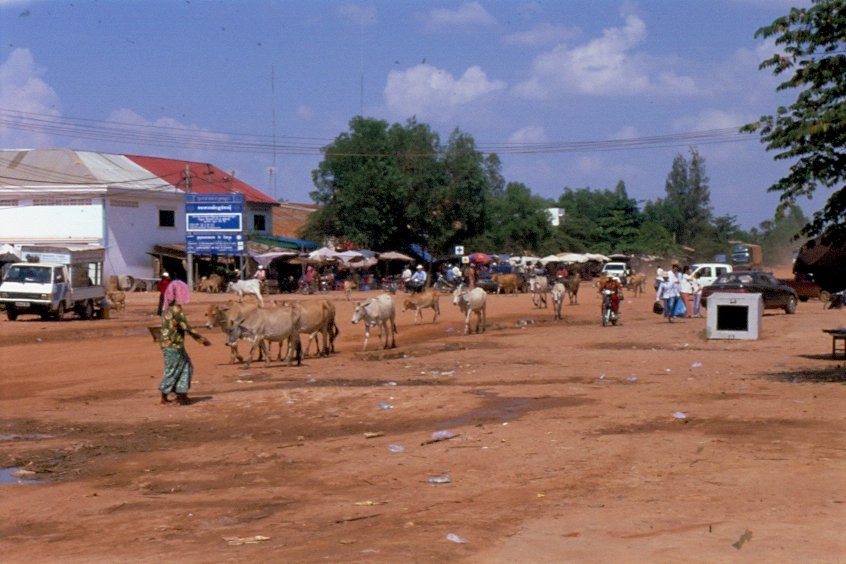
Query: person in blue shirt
{"x": 418, "y": 279}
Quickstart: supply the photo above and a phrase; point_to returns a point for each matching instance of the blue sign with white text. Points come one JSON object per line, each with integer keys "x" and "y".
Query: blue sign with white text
{"x": 215, "y": 244}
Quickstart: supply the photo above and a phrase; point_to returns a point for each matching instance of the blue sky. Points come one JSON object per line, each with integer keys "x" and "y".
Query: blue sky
{"x": 556, "y": 82}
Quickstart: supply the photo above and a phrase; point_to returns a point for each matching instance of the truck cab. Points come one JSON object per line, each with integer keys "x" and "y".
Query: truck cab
{"x": 710, "y": 271}
{"x": 67, "y": 279}
{"x": 618, "y": 269}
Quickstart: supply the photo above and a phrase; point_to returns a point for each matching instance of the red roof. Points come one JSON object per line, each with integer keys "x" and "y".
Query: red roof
{"x": 205, "y": 178}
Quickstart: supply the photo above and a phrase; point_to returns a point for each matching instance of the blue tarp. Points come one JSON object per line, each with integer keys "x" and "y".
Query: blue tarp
{"x": 421, "y": 252}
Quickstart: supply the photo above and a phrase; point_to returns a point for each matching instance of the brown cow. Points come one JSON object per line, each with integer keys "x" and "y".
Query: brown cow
{"x": 349, "y": 286}
{"x": 118, "y": 300}
{"x": 317, "y": 317}
{"x": 226, "y": 317}
{"x": 637, "y": 283}
{"x": 422, "y": 300}
{"x": 212, "y": 283}
{"x": 506, "y": 283}
{"x": 571, "y": 284}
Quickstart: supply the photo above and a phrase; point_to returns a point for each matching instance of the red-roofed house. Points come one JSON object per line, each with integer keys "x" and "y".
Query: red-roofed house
{"x": 132, "y": 206}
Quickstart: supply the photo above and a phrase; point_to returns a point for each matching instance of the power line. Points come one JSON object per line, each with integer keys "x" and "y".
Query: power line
{"x": 164, "y": 136}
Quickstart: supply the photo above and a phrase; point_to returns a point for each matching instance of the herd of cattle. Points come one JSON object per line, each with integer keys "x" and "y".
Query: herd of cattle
{"x": 285, "y": 322}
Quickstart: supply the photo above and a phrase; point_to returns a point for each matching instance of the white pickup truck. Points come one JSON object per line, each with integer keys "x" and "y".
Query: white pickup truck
{"x": 619, "y": 269}
{"x": 710, "y": 271}
{"x": 53, "y": 281}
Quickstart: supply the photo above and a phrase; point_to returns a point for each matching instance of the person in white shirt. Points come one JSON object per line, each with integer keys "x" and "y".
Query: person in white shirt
{"x": 418, "y": 279}
{"x": 686, "y": 291}
{"x": 668, "y": 290}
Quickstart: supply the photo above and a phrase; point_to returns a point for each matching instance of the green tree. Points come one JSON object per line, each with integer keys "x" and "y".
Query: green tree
{"x": 810, "y": 132}
{"x": 602, "y": 220}
{"x": 519, "y": 221}
{"x": 688, "y": 193}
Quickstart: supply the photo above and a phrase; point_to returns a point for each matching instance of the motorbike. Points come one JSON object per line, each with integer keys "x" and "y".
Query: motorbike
{"x": 444, "y": 285}
{"x": 608, "y": 315}
{"x": 835, "y": 300}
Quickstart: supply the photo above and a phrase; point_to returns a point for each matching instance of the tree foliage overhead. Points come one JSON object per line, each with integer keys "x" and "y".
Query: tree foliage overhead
{"x": 811, "y": 131}
{"x": 391, "y": 186}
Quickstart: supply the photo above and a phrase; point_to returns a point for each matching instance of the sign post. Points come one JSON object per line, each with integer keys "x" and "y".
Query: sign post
{"x": 214, "y": 226}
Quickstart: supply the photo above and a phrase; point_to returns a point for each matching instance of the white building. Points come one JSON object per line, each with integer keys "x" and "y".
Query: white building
{"x": 132, "y": 206}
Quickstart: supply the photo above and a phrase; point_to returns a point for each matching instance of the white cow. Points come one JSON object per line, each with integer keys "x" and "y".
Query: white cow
{"x": 377, "y": 311}
{"x": 558, "y": 291}
{"x": 471, "y": 301}
{"x": 539, "y": 285}
{"x": 242, "y": 287}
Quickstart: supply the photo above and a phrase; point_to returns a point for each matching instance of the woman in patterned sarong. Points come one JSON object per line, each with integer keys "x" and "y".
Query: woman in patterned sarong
{"x": 177, "y": 365}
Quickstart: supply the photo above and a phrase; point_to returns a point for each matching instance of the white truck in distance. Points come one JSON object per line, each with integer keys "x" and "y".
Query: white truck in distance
{"x": 54, "y": 280}
{"x": 618, "y": 269}
{"x": 710, "y": 271}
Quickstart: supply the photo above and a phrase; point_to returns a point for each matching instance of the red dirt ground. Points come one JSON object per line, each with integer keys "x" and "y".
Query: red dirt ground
{"x": 558, "y": 455}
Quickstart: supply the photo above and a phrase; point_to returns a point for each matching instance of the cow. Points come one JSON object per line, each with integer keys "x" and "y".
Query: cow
{"x": 470, "y": 302}
{"x": 637, "y": 283}
{"x": 275, "y": 324}
{"x": 571, "y": 284}
{"x": 227, "y": 316}
{"x": 349, "y": 286}
{"x": 317, "y": 317}
{"x": 212, "y": 283}
{"x": 377, "y": 311}
{"x": 539, "y": 285}
{"x": 117, "y": 300}
{"x": 506, "y": 283}
{"x": 242, "y": 287}
{"x": 428, "y": 298}
{"x": 558, "y": 291}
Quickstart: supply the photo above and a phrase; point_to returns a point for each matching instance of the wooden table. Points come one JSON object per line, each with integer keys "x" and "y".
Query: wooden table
{"x": 836, "y": 335}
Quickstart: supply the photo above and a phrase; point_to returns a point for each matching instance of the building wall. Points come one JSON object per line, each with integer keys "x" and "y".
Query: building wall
{"x": 133, "y": 229}
{"x": 51, "y": 219}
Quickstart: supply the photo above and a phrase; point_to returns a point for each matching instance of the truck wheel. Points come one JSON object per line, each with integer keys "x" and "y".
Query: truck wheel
{"x": 60, "y": 311}
{"x": 87, "y": 310}
{"x": 11, "y": 313}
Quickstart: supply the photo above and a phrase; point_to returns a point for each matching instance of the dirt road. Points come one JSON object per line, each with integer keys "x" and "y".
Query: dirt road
{"x": 572, "y": 442}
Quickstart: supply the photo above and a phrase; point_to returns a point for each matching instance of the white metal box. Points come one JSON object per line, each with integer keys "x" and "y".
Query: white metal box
{"x": 734, "y": 316}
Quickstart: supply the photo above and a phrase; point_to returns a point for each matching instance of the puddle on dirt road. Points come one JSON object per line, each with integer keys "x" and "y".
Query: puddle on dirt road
{"x": 16, "y": 476}
{"x": 502, "y": 410}
{"x": 22, "y": 437}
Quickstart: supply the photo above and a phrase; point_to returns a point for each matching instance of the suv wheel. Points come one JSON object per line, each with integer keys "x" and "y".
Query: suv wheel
{"x": 790, "y": 308}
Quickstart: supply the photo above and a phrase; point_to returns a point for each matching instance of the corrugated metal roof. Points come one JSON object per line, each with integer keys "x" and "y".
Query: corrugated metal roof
{"x": 119, "y": 171}
{"x": 205, "y": 178}
{"x": 44, "y": 167}
{"x": 69, "y": 169}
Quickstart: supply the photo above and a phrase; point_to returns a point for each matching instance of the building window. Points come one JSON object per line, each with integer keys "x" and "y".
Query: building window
{"x": 62, "y": 202}
{"x": 124, "y": 203}
{"x": 8, "y": 203}
{"x": 167, "y": 218}
{"x": 259, "y": 223}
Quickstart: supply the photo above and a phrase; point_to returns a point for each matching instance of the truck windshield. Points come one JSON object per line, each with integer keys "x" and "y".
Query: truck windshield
{"x": 38, "y": 274}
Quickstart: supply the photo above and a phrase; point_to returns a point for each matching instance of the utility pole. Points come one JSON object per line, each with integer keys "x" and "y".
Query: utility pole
{"x": 189, "y": 256}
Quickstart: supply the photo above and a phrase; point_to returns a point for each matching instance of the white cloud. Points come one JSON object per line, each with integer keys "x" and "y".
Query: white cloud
{"x": 305, "y": 112}
{"x": 432, "y": 93}
{"x": 530, "y": 134}
{"x": 469, "y": 14}
{"x": 357, "y": 13}
{"x": 608, "y": 65}
{"x": 589, "y": 164}
{"x": 23, "y": 89}
{"x": 709, "y": 119}
{"x": 542, "y": 35}
{"x": 627, "y": 132}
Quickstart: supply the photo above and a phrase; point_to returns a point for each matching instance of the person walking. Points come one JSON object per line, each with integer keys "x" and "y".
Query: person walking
{"x": 668, "y": 290}
{"x": 686, "y": 290}
{"x": 177, "y": 365}
{"x": 162, "y": 287}
{"x": 697, "y": 294}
